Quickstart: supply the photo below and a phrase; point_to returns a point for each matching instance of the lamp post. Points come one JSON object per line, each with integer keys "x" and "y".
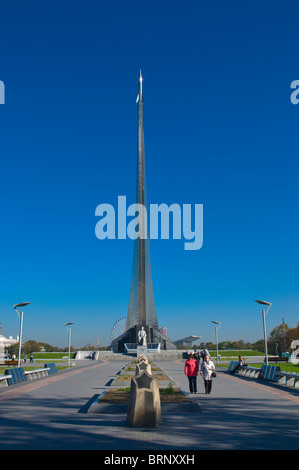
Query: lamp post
{"x": 68, "y": 327}
{"x": 284, "y": 336}
{"x": 20, "y": 315}
{"x": 217, "y": 323}
{"x": 264, "y": 313}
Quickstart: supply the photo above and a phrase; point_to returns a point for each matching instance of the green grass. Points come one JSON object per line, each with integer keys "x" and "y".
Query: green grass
{"x": 283, "y": 366}
{"x": 47, "y": 356}
{"x": 3, "y": 369}
{"x": 167, "y": 391}
{"x": 231, "y": 353}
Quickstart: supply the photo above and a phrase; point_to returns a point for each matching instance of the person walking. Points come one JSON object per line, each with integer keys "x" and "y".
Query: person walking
{"x": 191, "y": 371}
{"x": 196, "y": 356}
{"x": 203, "y": 353}
{"x": 206, "y": 371}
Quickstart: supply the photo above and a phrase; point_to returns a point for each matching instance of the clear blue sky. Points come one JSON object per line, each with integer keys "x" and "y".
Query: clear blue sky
{"x": 219, "y": 130}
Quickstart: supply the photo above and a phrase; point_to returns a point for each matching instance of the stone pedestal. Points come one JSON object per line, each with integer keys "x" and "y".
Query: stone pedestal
{"x": 141, "y": 350}
{"x": 144, "y": 409}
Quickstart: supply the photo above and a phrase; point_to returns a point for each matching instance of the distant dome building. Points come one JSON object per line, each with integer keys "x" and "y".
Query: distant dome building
{"x": 5, "y": 343}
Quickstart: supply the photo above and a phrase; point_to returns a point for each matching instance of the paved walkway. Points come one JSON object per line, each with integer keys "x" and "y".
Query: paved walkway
{"x": 240, "y": 413}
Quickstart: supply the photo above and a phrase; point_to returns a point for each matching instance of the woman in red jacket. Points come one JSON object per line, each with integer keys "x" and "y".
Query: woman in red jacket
{"x": 191, "y": 370}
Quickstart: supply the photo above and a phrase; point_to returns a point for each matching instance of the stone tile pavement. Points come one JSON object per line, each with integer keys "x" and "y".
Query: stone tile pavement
{"x": 240, "y": 414}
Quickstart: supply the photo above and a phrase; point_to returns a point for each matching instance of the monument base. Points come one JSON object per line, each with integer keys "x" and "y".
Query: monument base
{"x": 141, "y": 350}
{"x": 153, "y": 336}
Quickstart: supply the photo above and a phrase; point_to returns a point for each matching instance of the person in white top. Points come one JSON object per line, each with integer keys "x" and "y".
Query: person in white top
{"x": 207, "y": 368}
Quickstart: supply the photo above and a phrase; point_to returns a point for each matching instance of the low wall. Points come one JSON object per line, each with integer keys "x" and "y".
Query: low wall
{"x": 162, "y": 355}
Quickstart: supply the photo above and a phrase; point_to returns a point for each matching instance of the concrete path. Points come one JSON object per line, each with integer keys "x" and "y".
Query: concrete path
{"x": 240, "y": 413}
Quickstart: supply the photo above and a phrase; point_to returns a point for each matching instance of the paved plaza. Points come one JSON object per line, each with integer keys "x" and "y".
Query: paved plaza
{"x": 240, "y": 414}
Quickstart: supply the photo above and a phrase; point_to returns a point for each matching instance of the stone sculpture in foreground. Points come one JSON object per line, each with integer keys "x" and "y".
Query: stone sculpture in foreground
{"x": 144, "y": 408}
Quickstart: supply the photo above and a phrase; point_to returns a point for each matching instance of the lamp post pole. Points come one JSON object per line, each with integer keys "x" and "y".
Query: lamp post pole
{"x": 264, "y": 314}
{"x": 217, "y": 323}
{"x": 265, "y": 335}
{"x": 284, "y": 336}
{"x": 21, "y": 316}
{"x": 68, "y": 327}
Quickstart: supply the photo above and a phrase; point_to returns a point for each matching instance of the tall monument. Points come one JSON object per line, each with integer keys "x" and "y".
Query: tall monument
{"x": 141, "y": 311}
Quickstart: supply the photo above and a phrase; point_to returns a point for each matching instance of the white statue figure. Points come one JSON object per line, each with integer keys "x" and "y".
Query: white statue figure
{"x": 142, "y": 336}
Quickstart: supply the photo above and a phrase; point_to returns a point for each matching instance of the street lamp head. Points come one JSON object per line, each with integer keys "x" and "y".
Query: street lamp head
{"x": 216, "y": 322}
{"x": 68, "y": 324}
{"x": 22, "y": 304}
{"x": 263, "y": 302}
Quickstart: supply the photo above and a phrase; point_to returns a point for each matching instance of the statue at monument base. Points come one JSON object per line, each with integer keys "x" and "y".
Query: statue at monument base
{"x": 152, "y": 336}
{"x": 142, "y": 336}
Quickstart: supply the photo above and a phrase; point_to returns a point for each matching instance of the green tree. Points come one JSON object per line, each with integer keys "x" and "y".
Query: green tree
{"x": 259, "y": 345}
{"x": 276, "y": 339}
{"x": 292, "y": 334}
{"x": 30, "y": 347}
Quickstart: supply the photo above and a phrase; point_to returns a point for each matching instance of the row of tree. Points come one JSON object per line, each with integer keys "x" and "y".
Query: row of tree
{"x": 279, "y": 340}
{"x": 32, "y": 346}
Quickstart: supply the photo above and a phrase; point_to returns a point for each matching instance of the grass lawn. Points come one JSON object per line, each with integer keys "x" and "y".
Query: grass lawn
{"x": 230, "y": 353}
{"x": 166, "y": 396}
{"x": 284, "y": 367}
{"x": 50, "y": 356}
{"x": 4, "y": 368}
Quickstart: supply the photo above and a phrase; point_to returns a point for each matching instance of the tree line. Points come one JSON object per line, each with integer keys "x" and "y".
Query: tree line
{"x": 279, "y": 340}
{"x": 31, "y": 346}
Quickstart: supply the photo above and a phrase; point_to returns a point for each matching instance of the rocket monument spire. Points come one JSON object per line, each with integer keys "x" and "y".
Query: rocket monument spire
{"x": 140, "y": 95}
{"x": 141, "y": 309}
{"x": 141, "y": 305}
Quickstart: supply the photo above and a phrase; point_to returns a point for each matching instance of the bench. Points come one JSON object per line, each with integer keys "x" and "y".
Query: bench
{"x": 4, "y": 380}
{"x": 269, "y": 373}
{"x": 266, "y": 372}
{"x": 37, "y": 373}
{"x": 16, "y": 374}
{"x": 277, "y": 359}
{"x": 232, "y": 365}
{"x": 249, "y": 371}
{"x": 52, "y": 369}
{"x": 291, "y": 379}
{"x": 8, "y": 362}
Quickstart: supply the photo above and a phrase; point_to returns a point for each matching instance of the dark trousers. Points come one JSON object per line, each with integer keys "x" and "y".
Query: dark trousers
{"x": 192, "y": 384}
{"x": 208, "y": 386}
{"x": 235, "y": 369}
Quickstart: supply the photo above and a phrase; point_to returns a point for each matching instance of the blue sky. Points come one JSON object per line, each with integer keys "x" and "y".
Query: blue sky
{"x": 220, "y": 130}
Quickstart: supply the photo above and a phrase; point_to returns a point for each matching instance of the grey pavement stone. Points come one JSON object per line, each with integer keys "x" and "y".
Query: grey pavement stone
{"x": 240, "y": 414}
